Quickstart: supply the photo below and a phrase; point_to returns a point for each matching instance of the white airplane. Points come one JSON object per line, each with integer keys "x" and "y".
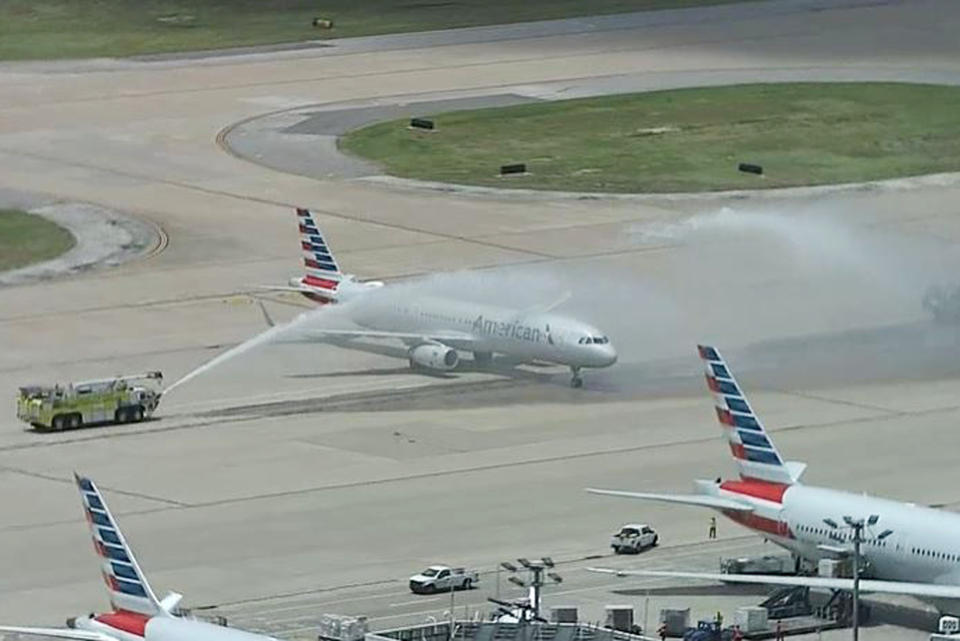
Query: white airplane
{"x": 137, "y": 614}
{"x": 435, "y": 328}
{"x": 907, "y": 549}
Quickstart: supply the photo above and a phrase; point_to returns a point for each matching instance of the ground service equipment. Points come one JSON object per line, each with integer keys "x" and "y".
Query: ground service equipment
{"x": 441, "y": 578}
{"x": 634, "y": 538}
{"x": 109, "y": 400}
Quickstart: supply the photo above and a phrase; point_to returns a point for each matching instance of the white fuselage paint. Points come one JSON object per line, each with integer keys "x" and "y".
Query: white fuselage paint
{"x": 924, "y": 546}
{"x": 170, "y": 628}
{"x": 527, "y": 336}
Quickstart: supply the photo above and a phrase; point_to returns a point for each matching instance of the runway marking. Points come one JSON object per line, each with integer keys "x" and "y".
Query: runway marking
{"x": 477, "y": 598}
{"x": 596, "y": 51}
{"x": 415, "y": 601}
{"x": 438, "y": 473}
{"x": 266, "y": 201}
{"x": 70, "y": 481}
{"x": 840, "y": 401}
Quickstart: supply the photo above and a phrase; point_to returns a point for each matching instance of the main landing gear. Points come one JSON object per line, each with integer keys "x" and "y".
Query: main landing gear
{"x": 576, "y": 382}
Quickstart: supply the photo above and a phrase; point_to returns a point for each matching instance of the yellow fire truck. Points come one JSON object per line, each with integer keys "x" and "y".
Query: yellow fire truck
{"x": 109, "y": 400}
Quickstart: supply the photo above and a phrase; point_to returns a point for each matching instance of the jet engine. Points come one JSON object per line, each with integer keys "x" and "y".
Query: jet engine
{"x": 434, "y": 356}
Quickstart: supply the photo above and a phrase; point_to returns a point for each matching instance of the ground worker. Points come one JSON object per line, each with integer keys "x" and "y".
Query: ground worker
{"x": 662, "y": 631}
{"x": 713, "y": 527}
{"x": 779, "y": 636}
{"x": 719, "y": 621}
{"x": 737, "y": 634}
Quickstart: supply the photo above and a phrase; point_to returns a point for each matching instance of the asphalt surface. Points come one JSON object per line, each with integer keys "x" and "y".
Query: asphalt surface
{"x": 308, "y": 469}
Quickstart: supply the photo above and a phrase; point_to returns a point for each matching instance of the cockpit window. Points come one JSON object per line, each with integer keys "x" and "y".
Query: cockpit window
{"x": 600, "y": 340}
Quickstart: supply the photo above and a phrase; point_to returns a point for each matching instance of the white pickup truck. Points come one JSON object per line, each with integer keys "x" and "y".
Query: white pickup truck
{"x": 441, "y": 578}
{"x": 633, "y": 538}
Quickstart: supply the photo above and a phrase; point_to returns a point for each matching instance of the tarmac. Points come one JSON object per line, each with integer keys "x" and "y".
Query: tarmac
{"x": 300, "y": 479}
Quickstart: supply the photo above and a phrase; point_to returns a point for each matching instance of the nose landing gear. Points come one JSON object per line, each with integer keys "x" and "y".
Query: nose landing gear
{"x": 576, "y": 382}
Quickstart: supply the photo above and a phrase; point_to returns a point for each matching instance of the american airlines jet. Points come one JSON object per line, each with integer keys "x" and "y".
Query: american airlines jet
{"x": 910, "y": 549}
{"x": 137, "y": 614}
{"x": 435, "y": 329}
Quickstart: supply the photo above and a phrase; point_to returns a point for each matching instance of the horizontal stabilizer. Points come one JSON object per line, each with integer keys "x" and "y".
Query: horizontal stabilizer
{"x": 59, "y": 633}
{"x": 287, "y": 288}
{"x": 170, "y": 602}
{"x": 933, "y": 590}
{"x": 715, "y": 502}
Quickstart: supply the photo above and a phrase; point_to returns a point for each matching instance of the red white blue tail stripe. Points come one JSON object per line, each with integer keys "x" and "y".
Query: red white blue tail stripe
{"x": 753, "y": 451}
{"x": 322, "y": 269}
{"x": 128, "y": 588}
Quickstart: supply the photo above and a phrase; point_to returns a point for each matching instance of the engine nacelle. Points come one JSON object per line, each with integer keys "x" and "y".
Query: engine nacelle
{"x": 434, "y": 356}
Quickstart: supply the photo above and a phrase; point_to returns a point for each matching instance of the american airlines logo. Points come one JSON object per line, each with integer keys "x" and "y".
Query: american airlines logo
{"x": 514, "y": 329}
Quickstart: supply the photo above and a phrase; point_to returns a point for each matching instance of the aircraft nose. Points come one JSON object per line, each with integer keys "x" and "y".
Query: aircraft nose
{"x": 611, "y": 355}
{"x": 605, "y": 355}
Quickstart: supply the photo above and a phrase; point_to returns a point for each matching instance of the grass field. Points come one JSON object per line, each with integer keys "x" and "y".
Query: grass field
{"x": 90, "y": 28}
{"x": 685, "y": 140}
{"x": 25, "y": 239}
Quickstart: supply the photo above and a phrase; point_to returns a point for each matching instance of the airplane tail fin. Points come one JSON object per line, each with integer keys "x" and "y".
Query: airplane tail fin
{"x": 125, "y": 581}
{"x": 752, "y": 448}
{"x": 323, "y": 276}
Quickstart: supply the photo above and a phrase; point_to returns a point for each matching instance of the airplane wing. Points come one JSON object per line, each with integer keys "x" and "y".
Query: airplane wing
{"x": 548, "y": 307}
{"x": 866, "y": 585}
{"x": 453, "y": 339}
{"x": 715, "y": 502}
{"x": 59, "y": 633}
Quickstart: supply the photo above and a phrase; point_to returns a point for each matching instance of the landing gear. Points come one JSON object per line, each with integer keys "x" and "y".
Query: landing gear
{"x": 483, "y": 359}
{"x": 576, "y": 382}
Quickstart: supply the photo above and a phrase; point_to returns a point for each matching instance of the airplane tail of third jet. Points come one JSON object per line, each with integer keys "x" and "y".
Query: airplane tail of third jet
{"x": 751, "y": 446}
{"x": 126, "y": 583}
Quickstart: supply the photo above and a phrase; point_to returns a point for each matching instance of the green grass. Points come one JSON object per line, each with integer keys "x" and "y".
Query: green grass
{"x": 801, "y": 133}
{"x": 90, "y": 28}
{"x": 25, "y": 239}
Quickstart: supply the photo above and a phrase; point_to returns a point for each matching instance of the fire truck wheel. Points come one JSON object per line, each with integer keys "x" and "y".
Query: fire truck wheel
{"x": 57, "y": 422}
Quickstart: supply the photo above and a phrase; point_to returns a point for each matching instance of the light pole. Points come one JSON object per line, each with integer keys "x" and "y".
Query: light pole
{"x": 537, "y": 569}
{"x": 856, "y": 526}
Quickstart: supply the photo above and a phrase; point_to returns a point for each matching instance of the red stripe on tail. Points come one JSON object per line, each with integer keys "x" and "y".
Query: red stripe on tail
{"x": 129, "y": 622}
{"x": 314, "y": 281}
{"x": 757, "y": 489}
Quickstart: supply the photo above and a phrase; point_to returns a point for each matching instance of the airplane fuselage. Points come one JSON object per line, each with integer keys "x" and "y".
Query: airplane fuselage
{"x": 132, "y": 626}
{"x": 924, "y": 546}
{"x": 527, "y": 336}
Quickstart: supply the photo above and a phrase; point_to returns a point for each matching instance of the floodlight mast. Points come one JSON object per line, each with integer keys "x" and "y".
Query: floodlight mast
{"x": 537, "y": 569}
{"x": 857, "y": 526}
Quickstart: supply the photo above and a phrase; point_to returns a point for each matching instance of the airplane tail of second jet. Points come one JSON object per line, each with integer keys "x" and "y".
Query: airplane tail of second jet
{"x": 751, "y": 446}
